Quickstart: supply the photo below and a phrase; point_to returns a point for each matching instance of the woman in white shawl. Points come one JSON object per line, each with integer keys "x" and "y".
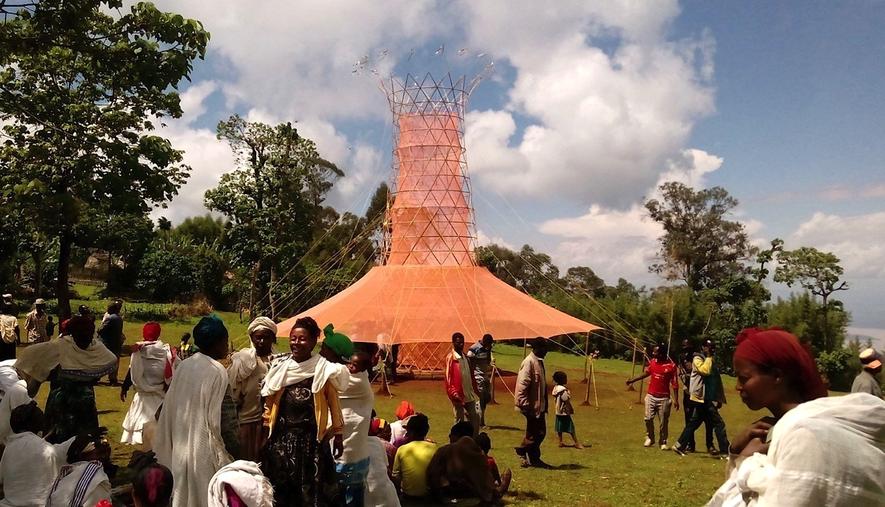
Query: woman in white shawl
{"x": 814, "y": 450}
{"x": 192, "y": 440}
{"x": 240, "y": 483}
{"x": 301, "y": 398}
{"x": 246, "y": 371}
{"x": 73, "y": 363}
{"x": 83, "y": 483}
{"x": 14, "y": 393}
{"x": 150, "y": 371}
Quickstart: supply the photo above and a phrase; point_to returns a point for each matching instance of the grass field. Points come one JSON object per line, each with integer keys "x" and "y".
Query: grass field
{"x": 615, "y": 469}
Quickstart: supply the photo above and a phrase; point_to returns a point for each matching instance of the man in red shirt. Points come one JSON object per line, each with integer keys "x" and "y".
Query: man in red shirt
{"x": 663, "y": 373}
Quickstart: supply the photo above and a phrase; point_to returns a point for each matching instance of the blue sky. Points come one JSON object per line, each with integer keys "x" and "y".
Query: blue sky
{"x": 591, "y": 105}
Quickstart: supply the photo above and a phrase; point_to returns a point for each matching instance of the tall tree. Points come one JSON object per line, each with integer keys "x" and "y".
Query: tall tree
{"x": 815, "y": 271}
{"x": 583, "y": 280}
{"x": 700, "y": 245}
{"x": 80, "y": 89}
{"x": 272, "y": 199}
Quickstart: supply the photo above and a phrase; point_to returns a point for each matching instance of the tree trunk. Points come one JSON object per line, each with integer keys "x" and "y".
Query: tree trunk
{"x": 253, "y": 287}
{"x": 108, "y": 279}
{"x": 64, "y": 268}
{"x": 826, "y": 325}
{"x": 37, "y": 256}
{"x": 270, "y": 298}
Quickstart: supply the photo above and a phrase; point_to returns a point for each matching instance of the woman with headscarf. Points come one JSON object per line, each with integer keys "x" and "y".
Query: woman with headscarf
{"x": 196, "y": 435}
{"x": 85, "y": 481}
{"x": 240, "y": 484}
{"x": 73, "y": 363}
{"x": 246, "y": 371}
{"x": 301, "y": 398}
{"x": 150, "y": 371}
{"x": 398, "y": 428}
{"x": 813, "y": 450}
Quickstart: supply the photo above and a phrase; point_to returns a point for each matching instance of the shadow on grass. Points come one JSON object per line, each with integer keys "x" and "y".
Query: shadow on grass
{"x": 568, "y": 466}
{"x": 505, "y": 428}
{"x": 515, "y": 495}
{"x": 110, "y": 411}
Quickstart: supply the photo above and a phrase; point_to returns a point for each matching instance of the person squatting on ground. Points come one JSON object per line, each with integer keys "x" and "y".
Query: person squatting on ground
{"x": 707, "y": 395}
{"x": 150, "y": 372}
{"x": 380, "y": 491}
{"x": 482, "y": 361}
{"x": 411, "y": 462}
{"x": 86, "y": 481}
{"x": 240, "y": 484}
{"x": 460, "y": 470}
{"x": 73, "y": 364}
{"x": 461, "y": 385}
{"x": 867, "y": 381}
{"x": 302, "y": 415}
{"x": 245, "y": 373}
{"x": 663, "y": 372}
{"x": 531, "y": 401}
{"x": 152, "y": 486}
{"x": 398, "y": 428}
{"x": 197, "y": 431}
{"x": 563, "y": 400}
{"x": 813, "y": 450}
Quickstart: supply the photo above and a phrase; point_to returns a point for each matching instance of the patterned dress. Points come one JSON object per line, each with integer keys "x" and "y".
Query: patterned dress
{"x": 300, "y": 468}
{"x": 70, "y": 407}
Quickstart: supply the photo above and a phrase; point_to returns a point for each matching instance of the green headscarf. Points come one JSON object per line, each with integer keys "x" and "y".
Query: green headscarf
{"x": 338, "y": 342}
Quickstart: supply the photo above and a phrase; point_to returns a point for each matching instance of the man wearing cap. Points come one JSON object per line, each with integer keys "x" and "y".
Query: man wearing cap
{"x": 867, "y": 381}
{"x": 35, "y": 323}
{"x": 9, "y": 331}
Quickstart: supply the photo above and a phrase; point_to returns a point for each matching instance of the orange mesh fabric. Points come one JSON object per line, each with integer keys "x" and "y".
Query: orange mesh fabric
{"x": 430, "y": 216}
{"x": 412, "y": 304}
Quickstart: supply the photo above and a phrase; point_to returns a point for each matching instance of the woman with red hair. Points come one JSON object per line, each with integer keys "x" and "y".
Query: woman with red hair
{"x": 813, "y": 450}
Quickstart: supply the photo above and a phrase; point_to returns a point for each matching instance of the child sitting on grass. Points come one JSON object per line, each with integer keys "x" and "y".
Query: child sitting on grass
{"x": 502, "y": 481}
{"x": 564, "y": 409}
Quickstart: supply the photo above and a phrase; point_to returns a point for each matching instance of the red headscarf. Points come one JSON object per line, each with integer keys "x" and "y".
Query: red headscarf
{"x": 776, "y": 348}
{"x": 151, "y": 331}
{"x": 405, "y": 409}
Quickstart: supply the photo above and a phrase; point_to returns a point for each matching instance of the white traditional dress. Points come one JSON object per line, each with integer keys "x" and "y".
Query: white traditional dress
{"x": 829, "y": 451}
{"x": 188, "y": 439}
{"x": 149, "y": 366}
{"x": 81, "y": 484}
{"x": 380, "y": 491}
{"x": 28, "y": 469}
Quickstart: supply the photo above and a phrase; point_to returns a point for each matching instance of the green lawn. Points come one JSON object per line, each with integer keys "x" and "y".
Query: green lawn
{"x": 615, "y": 470}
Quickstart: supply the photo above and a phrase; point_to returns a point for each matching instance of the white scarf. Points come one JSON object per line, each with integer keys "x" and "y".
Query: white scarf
{"x": 148, "y": 367}
{"x": 188, "y": 439}
{"x": 242, "y": 364}
{"x": 80, "y": 484}
{"x": 14, "y": 396}
{"x": 247, "y": 481}
{"x": 38, "y": 360}
{"x": 288, "y": 372}
{"x": 8, "y": 375}
{"x": 357, "y": 401}
{"x": 29, "y": 467}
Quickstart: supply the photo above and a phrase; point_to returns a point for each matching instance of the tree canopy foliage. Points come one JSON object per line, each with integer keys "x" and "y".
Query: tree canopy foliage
{"x": 80, "y": 90}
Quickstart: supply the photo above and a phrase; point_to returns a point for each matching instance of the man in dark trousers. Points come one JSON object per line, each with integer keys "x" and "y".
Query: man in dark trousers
{"x": 531, "y": 400}
{"x": 111, "y": 334}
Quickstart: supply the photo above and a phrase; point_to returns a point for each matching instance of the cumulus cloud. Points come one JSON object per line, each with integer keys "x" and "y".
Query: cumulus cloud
{"x": 857, "y": 240}
{"x": 602, "y": 124}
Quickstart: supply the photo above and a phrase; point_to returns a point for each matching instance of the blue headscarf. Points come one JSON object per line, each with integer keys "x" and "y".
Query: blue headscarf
{"x": 209, "y": 331}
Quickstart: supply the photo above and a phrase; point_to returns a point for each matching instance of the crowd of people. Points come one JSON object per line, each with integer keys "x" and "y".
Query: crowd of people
{"x": 260, "y": 427}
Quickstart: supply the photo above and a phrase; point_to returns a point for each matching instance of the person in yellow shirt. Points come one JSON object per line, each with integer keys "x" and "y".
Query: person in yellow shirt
{"x": 411, "y": 461}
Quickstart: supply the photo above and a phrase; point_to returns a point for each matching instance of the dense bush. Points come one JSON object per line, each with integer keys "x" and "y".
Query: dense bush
{"x": 167, "y": 275}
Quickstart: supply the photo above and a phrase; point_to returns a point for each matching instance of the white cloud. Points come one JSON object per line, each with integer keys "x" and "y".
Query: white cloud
{"x": 483, "y": 239}
{"x": 857, "y": 240}
{"x": 623, "y": 243}
{"x": 602, "y": 125}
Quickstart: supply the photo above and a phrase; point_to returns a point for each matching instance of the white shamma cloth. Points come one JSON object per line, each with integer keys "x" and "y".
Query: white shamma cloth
{"x": 82, "y": 484}
{"x": 28, "y": 469}
{"x": 148, "y": 371}
{"x": 829, "y": 451}
{"x": 188, "y": 439}
{"x": 380, "y": 491}
{"x": 246, "y": 480}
